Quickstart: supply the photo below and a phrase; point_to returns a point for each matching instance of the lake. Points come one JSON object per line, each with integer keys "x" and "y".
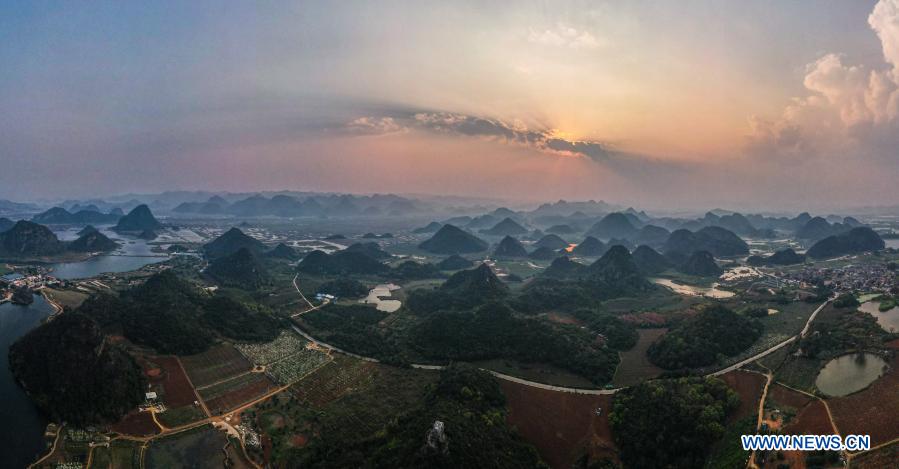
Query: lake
{"x": 23, "y": 426}
{"x": 132, "y": 255}
{"x": 888, "y": 320}
{"x": 847, "y": 374}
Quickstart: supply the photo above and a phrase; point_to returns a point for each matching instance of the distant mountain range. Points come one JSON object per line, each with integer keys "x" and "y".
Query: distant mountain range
{"x": 312, "y": 205}
{"x": 506, "y": 227}
{"x": 29, "y": 239}
{"x": 61, "y": 216}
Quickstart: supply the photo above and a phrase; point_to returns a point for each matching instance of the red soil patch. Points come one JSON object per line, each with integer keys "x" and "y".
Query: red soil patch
{"x": 562, "y": 319}
{"x": 240, "y": 396}
{"x": 878, "y": 459}
{"x": 214, "y": 365}
{"x": 811, "y": 420}
{"x": 298, "y": 440}
{"x": 872, "y": 411}
{"x": 562, "y": 426}
{"x": 176, "y": 389}
{"x": 787, "y": 397}
{"x": 136, "y": 423}
{"x": 749, "y": 386}
{"x": 893, "y": 344}
{"x": 811, "y": 416}
{"x": 645, "y": 319}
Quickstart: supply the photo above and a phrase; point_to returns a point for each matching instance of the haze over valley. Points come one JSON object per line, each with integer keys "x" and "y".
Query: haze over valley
{"x": 562, "y": 235}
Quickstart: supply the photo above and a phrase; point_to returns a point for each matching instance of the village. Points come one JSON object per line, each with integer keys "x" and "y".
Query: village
{"x": 866, "y": 277}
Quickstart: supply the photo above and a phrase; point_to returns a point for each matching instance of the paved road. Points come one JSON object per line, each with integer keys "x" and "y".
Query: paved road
{"x": 550, "y": 387}
{"x": 776, "y": 347}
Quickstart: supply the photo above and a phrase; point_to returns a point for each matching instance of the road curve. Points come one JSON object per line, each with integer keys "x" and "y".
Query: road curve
{"x": 549, "y": 387}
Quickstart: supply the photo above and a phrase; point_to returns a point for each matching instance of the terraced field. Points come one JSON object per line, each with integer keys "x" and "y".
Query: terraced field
{"x": 214, "y": 365}
{"x": 234, "y": 393}
{"x": 225, "y": 387}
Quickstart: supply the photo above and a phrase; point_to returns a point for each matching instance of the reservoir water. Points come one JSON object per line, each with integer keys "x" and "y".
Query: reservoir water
{"x": 888, "y": 320}
{"x": 23, "y": 426}
{"x": 131, "y": 255}
{"x": 21, "y": 435}
{"x": 847, "y": 374}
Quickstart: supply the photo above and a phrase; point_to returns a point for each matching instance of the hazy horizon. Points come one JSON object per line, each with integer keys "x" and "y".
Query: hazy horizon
{"x": 677, "y": 105}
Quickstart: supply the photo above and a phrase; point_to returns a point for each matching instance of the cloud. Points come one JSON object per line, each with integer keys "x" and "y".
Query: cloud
{"x": 375, "y": 125}
{"x": 564, "y": 36}
{"x": 515, "y": 133}
{"x": 847, "y": 104}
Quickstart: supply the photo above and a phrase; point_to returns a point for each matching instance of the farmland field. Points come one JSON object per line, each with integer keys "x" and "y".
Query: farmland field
{"x": 635, "y": 366}
{"x": 175, "y": 417}
{"x": 333, "y": 380}
{"x": 749, "y": 386}
{"x": 291, "y": 369}
{"x": 121, "y": 454}
{"x": 200, "y": 448}
{"x": 136, "y": 423}
{"x": 784, "y": 397}
{"x": 878, "y": 458}
{"x": 286, "y": 344}
{"x": 250, "y": 387}
{"x": 563, "y": 426}
{"x": 864, "y": 411}
{"x": 216, "y": 364}
{"x": 811, "y": 420}
{"x": 804, "y": 414}
{"x": 167, "y": 377}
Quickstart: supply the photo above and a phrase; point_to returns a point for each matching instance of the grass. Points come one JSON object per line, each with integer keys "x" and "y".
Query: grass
{"x": 180, "y": 416}
{"x": 68, "y": 298}
{"x": 659, "y": 301}
{"x": 121, "y": 454}
{"x": 635, "y": 366}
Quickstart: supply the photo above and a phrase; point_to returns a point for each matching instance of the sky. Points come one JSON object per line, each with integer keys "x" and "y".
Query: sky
{"x": 668, "y": 104}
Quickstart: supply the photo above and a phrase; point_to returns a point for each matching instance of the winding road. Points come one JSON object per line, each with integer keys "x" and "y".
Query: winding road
{"x": 535, "y": 384}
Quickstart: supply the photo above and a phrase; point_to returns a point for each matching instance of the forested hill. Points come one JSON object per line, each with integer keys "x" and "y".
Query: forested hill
{"x": 73, "y": 374}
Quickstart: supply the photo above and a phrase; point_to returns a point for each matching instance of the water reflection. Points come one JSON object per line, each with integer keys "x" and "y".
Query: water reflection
{"x": 847, "y": 374}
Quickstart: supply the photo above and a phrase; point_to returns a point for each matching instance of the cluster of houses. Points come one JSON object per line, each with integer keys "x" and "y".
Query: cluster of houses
{"x": 864, "y": 277}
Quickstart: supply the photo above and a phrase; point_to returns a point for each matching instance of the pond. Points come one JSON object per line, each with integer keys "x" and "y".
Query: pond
{"x": 23, "y": 426}
{"x": 847, "y": 374}
{"x": 888, "y": 320}
{"x": 131, "y": 255}
{"x": 691, "y": 290}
